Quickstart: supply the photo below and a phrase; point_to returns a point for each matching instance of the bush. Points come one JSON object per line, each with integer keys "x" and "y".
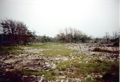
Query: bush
{"x": 97, "y": 49}
{"x": 116, "y": 44}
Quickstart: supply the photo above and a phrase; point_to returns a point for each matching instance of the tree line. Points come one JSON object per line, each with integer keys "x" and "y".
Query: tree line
{"x": 69, "y": 35}
{"x": 17, "y": 33}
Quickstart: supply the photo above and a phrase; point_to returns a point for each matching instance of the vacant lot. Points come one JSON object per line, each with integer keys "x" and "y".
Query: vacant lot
{"x": 56, "y": 62}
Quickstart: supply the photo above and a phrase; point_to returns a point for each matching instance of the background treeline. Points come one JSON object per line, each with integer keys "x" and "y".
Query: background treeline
{"x": 44, "y": 38}
{"x": 69, "y": 35}
{"x": 17, "y": 33}
{"x": 72, "y": 35}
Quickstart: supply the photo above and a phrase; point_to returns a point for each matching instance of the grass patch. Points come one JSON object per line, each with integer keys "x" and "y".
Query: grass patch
{"x": 49, "y": 75}
{"x": 103, "y": 67}
{"x": 93, "y": 67}
{"x": 46, "y": 45}
{"x": 10, "y": 50}
{"x": 64, "y": 65}
{"x": 58, "y": 50}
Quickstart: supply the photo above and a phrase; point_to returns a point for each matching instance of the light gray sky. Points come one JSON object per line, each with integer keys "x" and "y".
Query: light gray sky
{"x": 93, "y": 17}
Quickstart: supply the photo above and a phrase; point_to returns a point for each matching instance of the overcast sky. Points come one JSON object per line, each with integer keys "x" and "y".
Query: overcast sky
{"x": 93, "y": 17}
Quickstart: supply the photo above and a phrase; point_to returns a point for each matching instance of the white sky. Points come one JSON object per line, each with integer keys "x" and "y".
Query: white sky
{"x": 93, "y": 17}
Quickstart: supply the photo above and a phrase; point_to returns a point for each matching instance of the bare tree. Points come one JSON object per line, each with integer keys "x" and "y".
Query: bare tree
{"x": 72, "y": 35}
{"x": 106, "y": 37}
{"x": 115, "y": 35}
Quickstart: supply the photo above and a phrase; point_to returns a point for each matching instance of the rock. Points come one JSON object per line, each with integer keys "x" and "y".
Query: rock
{"x": 41, "y": 79}
{"x": 62, "y": 77}
{"x": 33, "y": 76}
{"x": 77, "y": 80}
